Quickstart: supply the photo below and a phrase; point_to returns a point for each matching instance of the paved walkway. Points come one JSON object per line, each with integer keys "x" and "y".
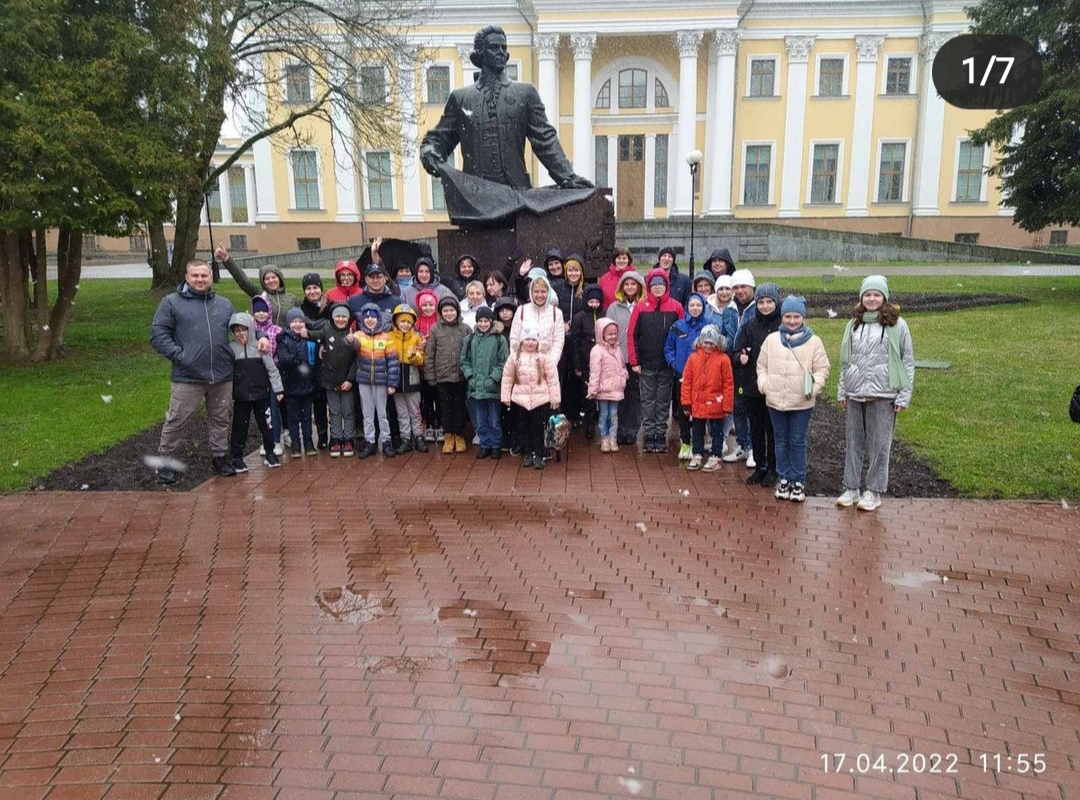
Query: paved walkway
{"x": 602, "y": 629}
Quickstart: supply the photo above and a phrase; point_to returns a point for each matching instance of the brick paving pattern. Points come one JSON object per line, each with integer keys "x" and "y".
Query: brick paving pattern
{"x": 610, "y": 627}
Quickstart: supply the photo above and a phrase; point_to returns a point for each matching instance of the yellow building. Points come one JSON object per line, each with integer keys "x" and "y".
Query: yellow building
{"x": 814, "y": 112}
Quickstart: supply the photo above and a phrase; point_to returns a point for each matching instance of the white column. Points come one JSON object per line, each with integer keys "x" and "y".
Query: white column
{"x": 1004, "y": 209}
{"x": 412, "y": 200}
{"x": 688, "y": 43}
{"x": 249, "y": 192}
{"x": 650, "y": 176}
{"x": 791, "y": 179}
{"x": 722, "y": 124}
{"x": 928, "y": 153}
{"x": 583, "y": 45}
{"x": 547, "y": 54}
{"x": 345, "y": 154}
{"x": 613, "y": 168}
{"x": 867, "y": 48}
{"x": 467, "y": 69}
{"x": 223, "y": 196}
{"x": 263, "y": 155}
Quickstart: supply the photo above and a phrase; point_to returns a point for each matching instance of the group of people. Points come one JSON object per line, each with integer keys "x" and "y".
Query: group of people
{"x": 423, "y": 359}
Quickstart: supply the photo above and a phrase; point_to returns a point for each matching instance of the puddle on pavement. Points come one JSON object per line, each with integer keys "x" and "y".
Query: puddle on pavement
{"x": 913, "y": 579}
{"x": 504, "y": 637}
{"x": 586, "y": 594}
{"x": 350, "y": 604}
{"x": 710, "y": 603}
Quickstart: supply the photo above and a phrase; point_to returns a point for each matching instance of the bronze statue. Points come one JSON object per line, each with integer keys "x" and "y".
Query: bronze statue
{"x": 491, "y": 120}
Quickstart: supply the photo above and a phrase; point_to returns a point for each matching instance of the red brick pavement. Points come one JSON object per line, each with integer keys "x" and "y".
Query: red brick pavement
{"x": 435, "y": 626}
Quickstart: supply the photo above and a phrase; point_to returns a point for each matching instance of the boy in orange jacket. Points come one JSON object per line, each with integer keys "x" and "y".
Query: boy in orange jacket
{"x": 708, "y": 395}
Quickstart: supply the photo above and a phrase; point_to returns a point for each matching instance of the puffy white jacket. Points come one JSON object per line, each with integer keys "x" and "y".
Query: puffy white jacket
{"x": 867, "y": 376}
{"x": 780, "y": 378}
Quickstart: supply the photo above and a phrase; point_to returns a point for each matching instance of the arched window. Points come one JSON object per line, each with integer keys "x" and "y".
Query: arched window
{"x": 603, "y": 98}
{"x": 661, "y": 95}
{"x": 632, "y": 88}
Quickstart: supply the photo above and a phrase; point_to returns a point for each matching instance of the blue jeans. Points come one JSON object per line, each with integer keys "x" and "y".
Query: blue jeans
{"x": 742, "y": 423}
{"x": 716, "y": 431}
{"x": 609, "y": 417}
{"x": 275, "y": 418}
{"x": 486, "y": 416}
{"x": 789, "y": 430}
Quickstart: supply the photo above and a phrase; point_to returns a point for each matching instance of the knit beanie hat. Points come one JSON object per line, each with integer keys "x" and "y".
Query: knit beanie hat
{"x": 530, "y": 332}
{"x": 312, "y": 279}
{"x": 793, "y": 304}
{"x": 259, "y": 303}
{"x": 877, "y": 283}
{"x": 484, "y": 313}
{"x": 767, "y": 290}
{"x": 723, "y": 282}
{"x": 742, "y": 277}
{"x": 655, "y": 279}
{"x": 341, "y": 310}
{"x": 293, "y": 313}
{"x": 594, "y": 292}
{"x": 710, "y": 334}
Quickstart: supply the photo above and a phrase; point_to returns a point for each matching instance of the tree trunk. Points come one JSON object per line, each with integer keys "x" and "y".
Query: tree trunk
{"x": 185, "y": 237}
{"x": 159, "y": 254}
{"x": 16, "y": 346}
{"x": 69, "y": 271}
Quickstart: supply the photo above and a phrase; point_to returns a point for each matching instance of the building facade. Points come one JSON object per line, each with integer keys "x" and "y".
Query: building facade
{"x": 816, "y": 112}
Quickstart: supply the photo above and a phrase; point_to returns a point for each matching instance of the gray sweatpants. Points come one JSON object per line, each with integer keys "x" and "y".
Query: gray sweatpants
{"x": 342, "y": 415}
{"x": 656, "y": 401}
{"x": 372, "y": 402}
{"x": 869, "y": 428}
{"x": 408, "y": 415}
{"x": 184, "y": 401}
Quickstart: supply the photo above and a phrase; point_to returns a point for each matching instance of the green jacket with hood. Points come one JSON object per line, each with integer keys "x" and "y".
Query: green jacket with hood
{"x": 280, "y": 301}
{"x": 483, "y": 356}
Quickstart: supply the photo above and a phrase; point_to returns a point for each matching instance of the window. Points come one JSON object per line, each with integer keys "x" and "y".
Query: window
{"x": 823, "y": 182}
{"x": 969, "y": 173}
{"x": 831, "y": 77}
{"x": 309, "y": 243}
{"x": 438, "y": 196}
{"x": 379, "y": 182}
{"x": 603, "y": 98}
{"x": 1057, "y": 238}
{"x": 631, "y": 148}
{"x": 438, "y": 84}
{"x": 898, "y": 76}
{"x": 662, "y": 100}
{"x": 966, "y": 238}
{"x": 297, "y": 83}
{"x": 238, "y": 241}
{"x": 762, "y": 77}
{"x": 213, "y": 204}
{"x": 756, "y": 181}
{"x": 305, "y": 173}
{"x": 372, "y": 85}
{"x": 632, "y": 88}
{"x": 512, "y": 71}
{"x": 891, "y": 172}
{"x": 600, "y": 153}
{"x": 238, "y": 194}
{"x": 137, "y": 242}
{"x": 660, "y": 180}
{"x": 90, "y": 242}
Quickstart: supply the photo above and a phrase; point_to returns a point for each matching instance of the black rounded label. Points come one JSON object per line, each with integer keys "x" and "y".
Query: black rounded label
{"x": 992, "y": 72}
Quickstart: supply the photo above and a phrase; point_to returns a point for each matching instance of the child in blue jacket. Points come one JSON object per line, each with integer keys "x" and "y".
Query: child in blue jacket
{"x": 677, "y": 349}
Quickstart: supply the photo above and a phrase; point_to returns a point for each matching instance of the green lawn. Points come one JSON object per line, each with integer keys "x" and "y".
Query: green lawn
{"x": 994, "y": 425}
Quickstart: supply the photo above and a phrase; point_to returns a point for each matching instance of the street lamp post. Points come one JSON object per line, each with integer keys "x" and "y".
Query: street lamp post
{"x": 693, "y": 158}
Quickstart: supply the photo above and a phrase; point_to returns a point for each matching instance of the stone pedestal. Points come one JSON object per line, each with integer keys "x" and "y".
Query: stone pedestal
{"x": 587, "y": 228}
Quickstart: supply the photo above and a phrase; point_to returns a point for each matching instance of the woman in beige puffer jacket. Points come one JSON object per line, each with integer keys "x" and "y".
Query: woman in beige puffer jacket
{"x": 785, "y": 358}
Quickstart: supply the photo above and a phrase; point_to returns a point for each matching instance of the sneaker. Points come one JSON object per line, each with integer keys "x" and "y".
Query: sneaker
{"x": 323, "y": 445}
{"x": 482, "y": 453}
{"x": 661, "y": 445}
{"x": 272, "y": 461}
{"x": 406, "y": 446}
{"x": 769, "y": 480}
{"x": 538, "y": 461}
{"x": 286, "y": 438}
{"x": 166, "y": 476}
{"x": 712, "y": 465}
{"x": 223, "y": 466}
{"x": 335, "y": 450}
{"x": 515, "y": 451}
{"x": 798, "y": 493}
{"x": 239, "y": 466}
{"x": 429, "y": 434}
{"x": 750, "y": 463}
{"x": 310, "y": 449}
{"x": 756, "y": 477}
{"x": 347, "y": 449}
{"x": 737, "y": 454}
{"x": 496, "y": 454}
{"x": 870, "y": 501}
{"x": 849, "y": 498}
{"x": 295, "y": 449}
{"x": 476, "y": 439}
{"x": 279, "y": 449}
{"x": 421, "y": 444}
{"x": 695, "y": 462}
{"x": 262, "y": 450}
{"x": 783, "y": 491}
{"x": 527, "y": 460}
{"x": 440, "y": 435}
{"x": 388, "y": 449}
{"x": 685, "y": 452}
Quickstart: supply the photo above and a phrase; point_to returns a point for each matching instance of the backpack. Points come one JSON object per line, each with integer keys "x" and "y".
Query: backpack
{"x": 1074, "y": 405}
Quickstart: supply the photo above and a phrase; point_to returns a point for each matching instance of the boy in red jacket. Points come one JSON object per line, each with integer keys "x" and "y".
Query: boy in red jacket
{"x": 708, "y": 395}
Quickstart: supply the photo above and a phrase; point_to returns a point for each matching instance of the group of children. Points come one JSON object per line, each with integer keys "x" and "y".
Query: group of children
{"x": 717, "y": 353}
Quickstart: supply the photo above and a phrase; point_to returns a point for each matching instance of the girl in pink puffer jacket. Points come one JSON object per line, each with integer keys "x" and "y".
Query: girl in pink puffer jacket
{"x": 530, "y": 381}
{"x": 607, "y": 380}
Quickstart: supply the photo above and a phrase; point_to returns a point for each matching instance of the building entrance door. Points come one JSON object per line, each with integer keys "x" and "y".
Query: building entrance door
{"x": 630, "y": 202}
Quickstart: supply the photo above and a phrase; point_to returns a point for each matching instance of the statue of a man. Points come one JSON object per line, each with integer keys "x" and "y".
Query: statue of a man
{"x": 491, "y": 119}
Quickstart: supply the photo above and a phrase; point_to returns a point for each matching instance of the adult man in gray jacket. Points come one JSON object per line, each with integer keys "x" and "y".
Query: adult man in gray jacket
{"x": 191, "y": 329}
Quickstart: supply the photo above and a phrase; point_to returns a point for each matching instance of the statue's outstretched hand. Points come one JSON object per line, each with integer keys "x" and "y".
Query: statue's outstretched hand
{"x": 432, "y": 162}
{"x": 577, "y": 182}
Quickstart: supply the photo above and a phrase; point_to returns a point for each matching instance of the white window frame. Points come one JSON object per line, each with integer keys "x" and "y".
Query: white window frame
{"x": 365, "y": 197}
{"x": 432, "y": 182}
{"x": 318, "y": 180}
{"x": 771, "y": 143}
{"x": 905, "y": 190}
{"x": 838, "y": 199}
{"x": 285, "y": 83}
{"x": 913, "y": 87}
{"x": 386, "y": 81}
{"x": 844, "y": 78}
{"x": 247, "y": 195}
{"x": 515, "y": 62}
{"x": 776, "y": 74}
{"x": 956, "y": 172}
{"x": 449, "y": 67}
